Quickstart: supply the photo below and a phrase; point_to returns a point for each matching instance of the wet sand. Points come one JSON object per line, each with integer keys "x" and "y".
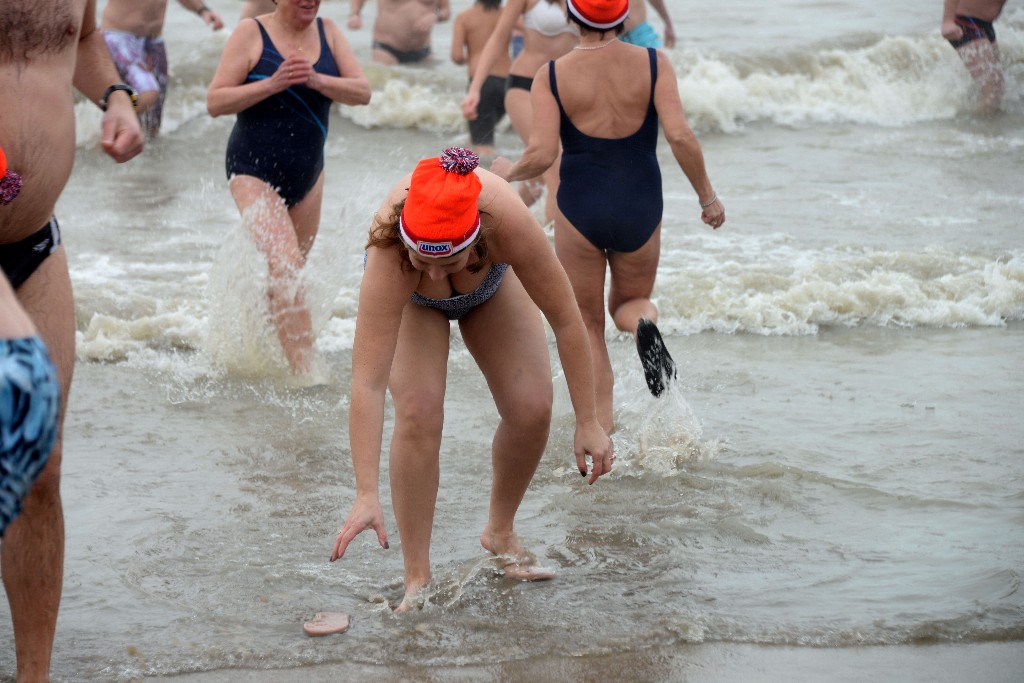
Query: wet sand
{"x": 707, "y": 663}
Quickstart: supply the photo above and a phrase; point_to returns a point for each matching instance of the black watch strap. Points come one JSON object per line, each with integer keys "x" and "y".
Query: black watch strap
{"x": 114, "y": 88}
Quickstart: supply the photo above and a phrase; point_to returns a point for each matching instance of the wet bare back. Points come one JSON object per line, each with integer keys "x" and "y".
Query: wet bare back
{"x": 593, "y": 107}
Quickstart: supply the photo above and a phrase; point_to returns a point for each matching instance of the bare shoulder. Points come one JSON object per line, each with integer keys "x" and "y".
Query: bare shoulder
{"x": 514, "y": 232}
{"x": 329, "y": 24}
{"x": 244, "y": 44}
{"x": 664, "y": 62}
{"x": 666, "y": 72}
{"x": 495, "y": 192}
{"x": 398, "y": 192}
{"x": 335, "y": 36}
{"x": 470, "y": 16}
{"x": 247, "y": 29}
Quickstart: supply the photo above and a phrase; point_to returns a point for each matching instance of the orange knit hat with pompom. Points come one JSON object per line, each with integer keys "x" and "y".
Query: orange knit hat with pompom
{"x": 440, "y": 217}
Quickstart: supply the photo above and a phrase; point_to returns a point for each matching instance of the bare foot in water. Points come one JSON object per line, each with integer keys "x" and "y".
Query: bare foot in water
{"x": 414, "y": 598}
{"x": 516, "y": 562}
{"x": 325, "y": 624}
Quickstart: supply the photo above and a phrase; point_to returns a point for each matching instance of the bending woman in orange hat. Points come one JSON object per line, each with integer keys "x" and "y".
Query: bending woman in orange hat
{"x": 605, "y": 103}
{"x": 446, "y": 229}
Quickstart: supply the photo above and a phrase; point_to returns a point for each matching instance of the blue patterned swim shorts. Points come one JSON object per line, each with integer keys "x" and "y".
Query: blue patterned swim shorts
{"x": 643, "y": 35}
{"x": 29, "y": 411}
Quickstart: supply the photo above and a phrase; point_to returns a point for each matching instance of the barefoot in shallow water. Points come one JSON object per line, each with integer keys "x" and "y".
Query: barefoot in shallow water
{"x": 326, "y": 623}
{"x": 516, "y": 562}
{"x": 414, "y": 598}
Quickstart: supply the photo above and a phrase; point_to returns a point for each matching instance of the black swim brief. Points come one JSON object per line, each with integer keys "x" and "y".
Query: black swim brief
{"x": 521, "y": 82}
{"x": 20, "y": 259}
{"x": 403, "y": 56}
{"x": 974, "y": 29}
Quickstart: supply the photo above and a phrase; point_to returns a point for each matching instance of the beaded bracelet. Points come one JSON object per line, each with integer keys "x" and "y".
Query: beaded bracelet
{"x": 134, "y": 96}
{"x": 704, "y": 205}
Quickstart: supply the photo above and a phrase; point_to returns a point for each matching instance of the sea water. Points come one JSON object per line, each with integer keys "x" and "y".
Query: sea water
{"x": 840, "y": 463}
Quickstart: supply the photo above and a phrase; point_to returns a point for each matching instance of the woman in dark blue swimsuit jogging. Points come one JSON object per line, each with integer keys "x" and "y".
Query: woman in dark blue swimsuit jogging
{"x": 607, "y": 116}
{"x": 279, "y": 74}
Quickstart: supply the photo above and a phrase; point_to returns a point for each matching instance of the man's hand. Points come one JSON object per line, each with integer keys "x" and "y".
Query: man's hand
{"x": 121, "y": 136}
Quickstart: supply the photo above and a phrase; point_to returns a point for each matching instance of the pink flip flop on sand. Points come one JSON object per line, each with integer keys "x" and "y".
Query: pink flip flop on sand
{"x": 325, "y": 624}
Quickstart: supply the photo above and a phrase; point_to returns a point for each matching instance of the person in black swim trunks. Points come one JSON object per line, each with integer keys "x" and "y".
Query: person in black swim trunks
{"x": 967, "y": 25}
{"x": 610, "y": 194}
{"x": 402, "y": 28}
{"x": 470, "y": 32}
{"x": 133, "y": 30}
{"x": 44, "y": 55}
{"x": 454, "y": 242}
{"x": 29, "y": 389}
{"x": 280, "y": 74}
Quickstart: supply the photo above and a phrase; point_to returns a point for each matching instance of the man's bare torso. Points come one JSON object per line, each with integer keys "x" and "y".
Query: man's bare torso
{"x": 479, "y": 24}
{"x": 405, "y": 24}
{"x": 138, "y": 17}
{"x": 986, "y": 10}
{"x": 38, "y": 48}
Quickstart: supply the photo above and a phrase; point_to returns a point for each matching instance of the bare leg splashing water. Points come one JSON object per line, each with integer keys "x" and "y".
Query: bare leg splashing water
{"x": 284, "y": 236}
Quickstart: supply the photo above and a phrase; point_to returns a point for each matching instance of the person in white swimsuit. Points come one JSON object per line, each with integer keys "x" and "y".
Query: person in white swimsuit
{"x": 548, "y": 18}
{"x": 547, "y": 35}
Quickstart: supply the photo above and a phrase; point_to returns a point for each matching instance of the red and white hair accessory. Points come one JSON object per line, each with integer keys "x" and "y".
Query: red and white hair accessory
{"x": 600, "y": 15}
{"x": 440, "y": 217}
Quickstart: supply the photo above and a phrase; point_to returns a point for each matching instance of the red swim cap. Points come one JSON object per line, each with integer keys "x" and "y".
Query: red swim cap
{"x": 599, "y": 14}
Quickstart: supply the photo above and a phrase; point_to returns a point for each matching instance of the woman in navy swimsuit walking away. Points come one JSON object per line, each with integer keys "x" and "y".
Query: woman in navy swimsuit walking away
{"x": 607, "y": 117}
{"x": 454, "y": 242}
{"x": 280, "y": 73}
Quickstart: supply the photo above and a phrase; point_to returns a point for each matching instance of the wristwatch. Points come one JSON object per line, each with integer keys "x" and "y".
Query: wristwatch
{"x": 114, "y": 88}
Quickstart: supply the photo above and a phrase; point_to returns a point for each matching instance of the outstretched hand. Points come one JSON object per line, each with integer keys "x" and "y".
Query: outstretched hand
{"x": 364, "y": 515}
{"x": 592, "y": 440}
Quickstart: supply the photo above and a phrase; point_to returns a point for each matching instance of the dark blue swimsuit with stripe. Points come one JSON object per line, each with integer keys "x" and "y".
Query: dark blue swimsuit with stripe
{"x": 610, "y": 188}
{"x": 280, "y": 140}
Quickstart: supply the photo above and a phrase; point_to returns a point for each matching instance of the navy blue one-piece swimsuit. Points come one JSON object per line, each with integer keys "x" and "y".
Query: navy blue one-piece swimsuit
{"x": 610, "y": 188}
{"x": 281, "y": 139}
